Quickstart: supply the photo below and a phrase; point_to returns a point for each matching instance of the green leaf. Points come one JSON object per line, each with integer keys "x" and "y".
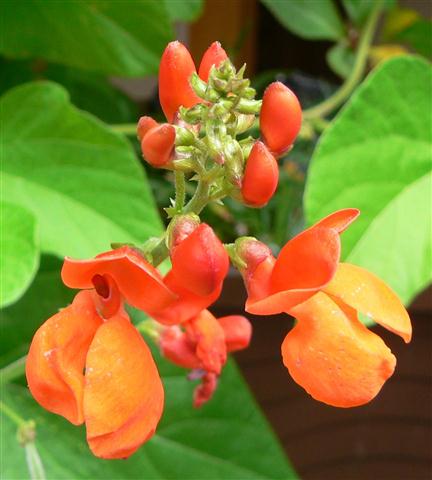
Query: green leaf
{"x": 377, "y": 156}
{"x": 80, "y": 180}
{"x": 19, "y": 251}
{"x": 226, "y": 439}
{"x": 45, "y": 296}
{"x": 117, "y": 38}
{"x": 184, "y": 11}
{"x": 358, "y": 10}
{"x": 341, "y": 59}
{"x": 318, "y": 19}
{"x": 418, "y": 36}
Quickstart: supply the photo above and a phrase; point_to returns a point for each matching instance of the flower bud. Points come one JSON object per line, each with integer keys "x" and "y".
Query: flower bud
{"x": 214, "y": 55}
{"x": 237, "y": 330}
{"x": 176, "y": 68}
{"x": 158, "y": 145}
{"x": 144, "y": 125}
{"x": 260, "y": 177}
{"x": 180, "y": 227}
{"x": 200, "y": 262}
{"x": 280, "y": 117}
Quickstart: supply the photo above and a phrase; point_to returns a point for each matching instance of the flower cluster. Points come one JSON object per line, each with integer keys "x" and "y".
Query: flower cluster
{"x": 91, "y": 365}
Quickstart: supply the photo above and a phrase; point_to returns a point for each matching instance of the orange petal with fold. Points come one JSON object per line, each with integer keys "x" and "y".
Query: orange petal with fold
{"x": 209, "y": 336}
{"x": 237, "y": 330}
{"x": 138, "y": 281}
{"x": 333, "y": 356}
{"x": 55, "y": 362}
{"x": 200, "y": 262}
{"x": 339, "y": 220}
{"x": 187, "y": 305}
{"x": 365, "y": 292}
{"x": 123, "y": 395}
{"x": 308, "y": 261}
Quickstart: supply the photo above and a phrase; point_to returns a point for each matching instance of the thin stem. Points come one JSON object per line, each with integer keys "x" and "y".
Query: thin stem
{"x": 12, "y": 415}
{"x": 200, "y": 198}
{"x": 12, "y": 371}
{"x": 330, "y": 104}
{"x": 125, "y": 128}
{"x": 34, "y": 462}
{"x": 180, "y": 190}
{"x": 159, "y": 253}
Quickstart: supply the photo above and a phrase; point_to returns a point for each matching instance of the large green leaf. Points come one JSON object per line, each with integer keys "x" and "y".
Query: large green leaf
{"x": 81, "y": 181}
{"x": 19, "y": 251}
{"x": 118, "y": 38}
{"x": 377, "y": 156}
{"x": 316, "y": 19}
{"x": 185, "y": 11}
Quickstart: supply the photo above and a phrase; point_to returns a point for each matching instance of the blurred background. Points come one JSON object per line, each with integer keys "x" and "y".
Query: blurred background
{"x": 105, "y": 55}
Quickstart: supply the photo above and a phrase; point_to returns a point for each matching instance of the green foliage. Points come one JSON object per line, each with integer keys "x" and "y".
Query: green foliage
{"x": 19, "y": 251}
{"x": 117, "y": 38}
{"x": 358, "y": 10}
{"x": 377, "y": 157}
{"x": 418, "y": 36}
{"x": 79, "y": 179}
{"x": 185, "y": 11}
{"x": 341, "y": 58}
{"x": 317, "y": 20}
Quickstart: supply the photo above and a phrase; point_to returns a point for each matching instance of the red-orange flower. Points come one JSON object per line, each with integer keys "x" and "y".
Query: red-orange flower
{"x": 202, "y": 344}
{"x": 199, "y": 266}
{"x": 89, "y": 364}
{"x": 214, "y": 55}
{"x": 329, "y": 351}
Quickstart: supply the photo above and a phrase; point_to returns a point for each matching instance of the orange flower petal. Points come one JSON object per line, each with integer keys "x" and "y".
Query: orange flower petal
{"x": 123, "y": 395}
{"x": 177, "y": 347}
{"x": 237, "y": 330}
{"x": 187, "y": 306}
{"x": 209, "y": 336}
{"x": 368, "y": 294}
{"x": 214, "y": 55}
{"x": 308, "y": 261}
{"x": 333, "y": 356}
{"x": 138, "y": 281}
{"x": 200, "y": 262}
{"x": 56, "y": 359}
{"x": 339, "y": 220}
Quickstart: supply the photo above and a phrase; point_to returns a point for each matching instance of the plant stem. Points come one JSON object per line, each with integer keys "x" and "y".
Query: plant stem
{"x": 12, "y": 415}
{"x": 180, "y": 190}
{"x": 12, "y": 371}
{"x": 334, "y": 101}
{"x": 200, "y": 198}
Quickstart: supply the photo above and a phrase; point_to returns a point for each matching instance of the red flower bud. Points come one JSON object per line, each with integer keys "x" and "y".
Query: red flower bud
{"x": 158, "y": 144}
{"x": 214, "y": 55}
{"x": 280, "y": 117}
{"x": 260, "y": 177}
{"x": 180, "y": 228}
{"x": 200, "y": 262}
{"x": 237, "y": 330}
{"x": 175, "y": 70}
{"x": 144, "y": 125}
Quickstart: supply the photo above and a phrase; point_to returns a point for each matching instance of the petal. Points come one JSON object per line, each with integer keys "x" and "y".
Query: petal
{"x": 188, "y": 305}
{"x": 339, "y": 220}
{"x": 237, "y": 330}
{"x": 139, "y": 282}
{"x": 56, "y": 359}
{"x": 176, "y": 347}
{"x": 157, "y": 145}
{"x": 209, "y": 337}
{"x": 205, "y": 390}
{"x": 200, "y": 262}
{"x": 333, "y": 356}
{"x": 123, "y": 395}
{"x": 368, "y": 294}
{"x": 308, "y": 261}
{"x": 214, "y": 55}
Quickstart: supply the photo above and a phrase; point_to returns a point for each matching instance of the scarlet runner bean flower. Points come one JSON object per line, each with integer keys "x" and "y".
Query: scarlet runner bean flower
{"x": 120, "y": 394}
{"x": 280, "y": 118}
{"x": 157, "y": 145}
{"x": 329, "y": 352}
{"x": 202, "y": 344}
{"x": 261, "y": 176}
{"x": 214, "y": 55}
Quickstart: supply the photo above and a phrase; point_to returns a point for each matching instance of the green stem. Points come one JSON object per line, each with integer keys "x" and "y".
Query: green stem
{"x": 334, "y": 101}
{"x": 200, "y": 198}
{"x": 180, "y": 190}
{"x": 125, "y": 128}
{"x": 12, "y": 415}
{"x": 159, "y": 253}
{"x": 12, "y": 371}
